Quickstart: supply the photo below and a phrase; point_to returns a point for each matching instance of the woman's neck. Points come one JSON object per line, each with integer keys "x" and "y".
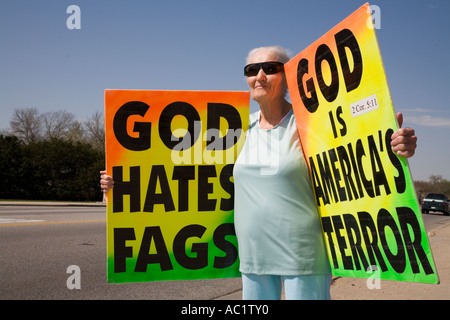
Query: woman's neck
{"x": 272, "y": 113}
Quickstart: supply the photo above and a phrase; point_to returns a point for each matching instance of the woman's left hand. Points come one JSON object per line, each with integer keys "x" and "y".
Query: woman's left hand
{"x": 403, "y": 141}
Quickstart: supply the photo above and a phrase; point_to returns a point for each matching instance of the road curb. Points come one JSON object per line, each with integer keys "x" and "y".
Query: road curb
{"x": 51, "y": 204}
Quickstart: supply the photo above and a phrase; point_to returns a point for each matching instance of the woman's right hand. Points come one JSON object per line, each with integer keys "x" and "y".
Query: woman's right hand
{"x": 106, "y": 182}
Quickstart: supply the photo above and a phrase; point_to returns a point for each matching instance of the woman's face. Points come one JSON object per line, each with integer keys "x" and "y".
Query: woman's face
{"x": 266, "y": 87}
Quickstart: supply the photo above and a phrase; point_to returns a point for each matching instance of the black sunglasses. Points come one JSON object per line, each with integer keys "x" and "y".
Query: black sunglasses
{"x": 271, "y": 67}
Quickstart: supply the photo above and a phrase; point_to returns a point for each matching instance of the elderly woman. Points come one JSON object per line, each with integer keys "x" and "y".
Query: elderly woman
{"x": 277, "y": 224}
{"x": 276, "y": 219}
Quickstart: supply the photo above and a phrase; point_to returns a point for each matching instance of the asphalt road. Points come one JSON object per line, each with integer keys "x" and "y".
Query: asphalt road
{"x": 38, "y": 244}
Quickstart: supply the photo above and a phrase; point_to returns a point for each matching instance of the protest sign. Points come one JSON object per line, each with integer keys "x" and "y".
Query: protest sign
{"x": 171, "y": 155}
{"x": 364, "y": 192}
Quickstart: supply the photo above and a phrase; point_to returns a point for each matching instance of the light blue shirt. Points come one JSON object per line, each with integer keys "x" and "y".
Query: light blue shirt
{"x": 277, "y": 223}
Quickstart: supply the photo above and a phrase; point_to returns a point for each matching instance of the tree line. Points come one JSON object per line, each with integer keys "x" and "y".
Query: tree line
{"x": 29, "y": 126}
{"x": 52, "y": 156}
{"x": 435, "y": 184}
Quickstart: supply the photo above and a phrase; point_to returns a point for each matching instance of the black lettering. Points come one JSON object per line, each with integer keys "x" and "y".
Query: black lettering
{"x": 331, "y": 91}
{"x": 121, "y": 251}
{"x": 367, "y": 183}
{"x": 311, "y": 103}
{"x": 205, "y": 188}
{"x": 337, "y": 175}
{"x": 121, "y": 188}
{"x": 165, "y": 197}
{"x": 379, "y": 175}
{"x": 161, "y": 256}
{"x": 414, "y": 247}
{"x": 400, "y": 181}
{"x": 229, "y": 113}
{"x": 355, "y": 170}
{"x": 200, "y": 249}
{"x": 333, "y": 126}
{"x": 318, "y": 191}
{"x": 327, "y": 178}
{"x": 165, "y": 120}
{"x": 355, "y": 240}
{"x": 327, "y": 227}
{"x": 343, "y": 130}
{"x": 397, "y": 261}
{"x": 346, "y": 39}
{"x": 140, "y": 143}
{"x": 346, "y": 260}
{"x": 228, "y": 186}
{"x": 370, "y": 236}
{"x": 347, "y": 173}
{"x": 183, "y": 174}
{"x": 231, "y": 253}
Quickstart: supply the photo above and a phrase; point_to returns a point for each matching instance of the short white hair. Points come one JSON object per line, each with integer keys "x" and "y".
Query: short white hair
{"x": 282, "y": 53}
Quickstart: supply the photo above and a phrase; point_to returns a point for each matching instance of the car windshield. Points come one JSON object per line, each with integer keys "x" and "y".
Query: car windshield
{"x": 436, "y": 196}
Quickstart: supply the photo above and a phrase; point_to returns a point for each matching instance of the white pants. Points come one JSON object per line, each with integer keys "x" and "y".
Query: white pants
{"x": 268, "y": 287}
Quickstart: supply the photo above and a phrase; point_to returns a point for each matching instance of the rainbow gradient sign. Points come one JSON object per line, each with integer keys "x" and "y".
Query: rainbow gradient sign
{"x": 171, "y": 155}
{"x": 370, "y": 216}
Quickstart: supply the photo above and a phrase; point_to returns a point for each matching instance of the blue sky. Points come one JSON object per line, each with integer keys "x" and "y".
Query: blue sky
{"x": 202, "y": 45}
